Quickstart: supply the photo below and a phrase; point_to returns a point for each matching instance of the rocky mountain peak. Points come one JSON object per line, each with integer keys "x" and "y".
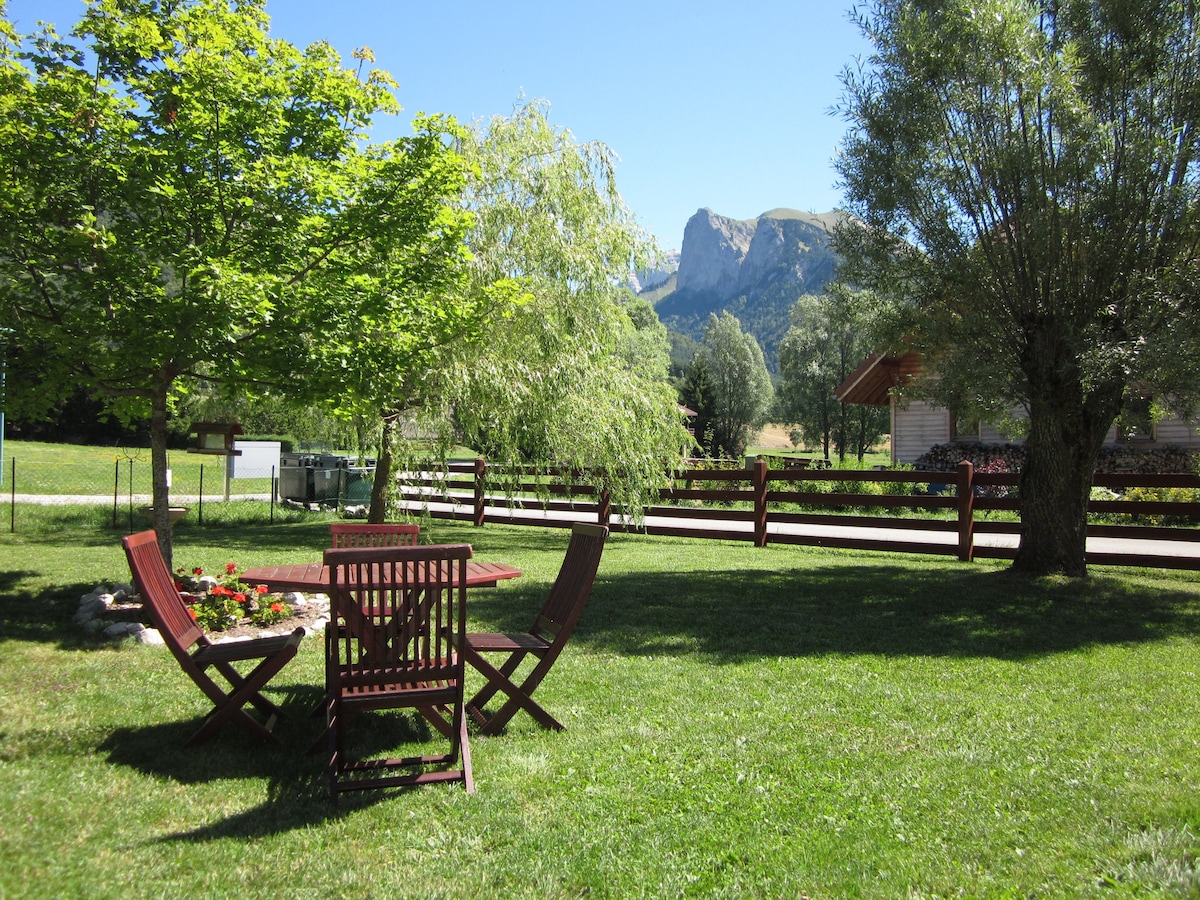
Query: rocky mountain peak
{"x": 714, "y": 248}
{"x": 756, "y": 268}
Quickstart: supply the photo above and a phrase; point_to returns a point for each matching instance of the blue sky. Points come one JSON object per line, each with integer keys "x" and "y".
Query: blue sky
{"x": 719, "y": 105}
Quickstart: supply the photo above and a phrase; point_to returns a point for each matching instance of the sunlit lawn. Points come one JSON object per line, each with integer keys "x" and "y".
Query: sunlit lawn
{"x": 773, "y": 722}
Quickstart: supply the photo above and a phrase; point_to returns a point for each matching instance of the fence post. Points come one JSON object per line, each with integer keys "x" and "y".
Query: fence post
{"x": 116, "y": 489}
{"x": 12, "y": 506}
{"x": 274, "y": 482}
{"x": 966, "y": 511}
{"x": 480, "y": 470}
{"x": 759, "y": 482}
{"x": 131, "y": 495}
{"x": 200, "y": 499}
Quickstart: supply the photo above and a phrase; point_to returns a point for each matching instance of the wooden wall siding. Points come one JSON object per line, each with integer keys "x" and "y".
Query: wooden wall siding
{"x": 916, "y": 427}
{"x": 1177, "y": 433}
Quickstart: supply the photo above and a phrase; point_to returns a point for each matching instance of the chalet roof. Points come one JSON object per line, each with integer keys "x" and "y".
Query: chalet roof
{"x": 875, "y": 377}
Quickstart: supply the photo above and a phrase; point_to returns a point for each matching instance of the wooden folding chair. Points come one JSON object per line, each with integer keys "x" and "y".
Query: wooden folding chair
{"x": 181, "y": 633}
{"x": 399, "y": 613}
{"x": 347, "y": 535}
{"x": 544, "y": 640}
{"x": 354, "y": 534}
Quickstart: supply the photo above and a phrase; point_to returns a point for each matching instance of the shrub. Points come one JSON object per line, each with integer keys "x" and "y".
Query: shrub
{"x": 1164, "y": 495}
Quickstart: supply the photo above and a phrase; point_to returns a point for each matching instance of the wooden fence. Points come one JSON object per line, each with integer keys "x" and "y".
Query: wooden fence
{"x": 940, "y": 513}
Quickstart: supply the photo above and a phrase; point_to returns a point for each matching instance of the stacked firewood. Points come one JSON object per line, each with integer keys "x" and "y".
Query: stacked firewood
{"x": 1146, "y": 460}
{"x": 946, "y": 457}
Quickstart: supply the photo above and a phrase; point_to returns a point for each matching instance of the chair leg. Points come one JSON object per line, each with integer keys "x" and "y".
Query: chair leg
{"x": 464, "y": 747}
{"x": 518, "y": 695}
{"x": 237, "y": 681}
{"x": 506, "y": 670}
{"x": 230, "y": 708}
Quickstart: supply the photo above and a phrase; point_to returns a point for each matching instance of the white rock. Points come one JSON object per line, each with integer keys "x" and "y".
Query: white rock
{"x": 150, "y": 636}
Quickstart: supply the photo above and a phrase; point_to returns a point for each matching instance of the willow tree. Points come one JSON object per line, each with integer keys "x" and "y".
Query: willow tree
{"x": 171, "y": 177}
{"x": 1025, "y": 177}
{"x": 566, "y": 376}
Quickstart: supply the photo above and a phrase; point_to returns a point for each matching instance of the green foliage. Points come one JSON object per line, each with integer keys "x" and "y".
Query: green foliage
{"x": 173, "y": 177}
{"x": 740, "y": 384}
{"x": 829, "y": 336}
{"x": 698, "y": 393}
{"x": 1170, "y": 495}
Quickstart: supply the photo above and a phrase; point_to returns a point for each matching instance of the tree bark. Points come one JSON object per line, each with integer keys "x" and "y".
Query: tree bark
{"x": 158, "y": 467}
{"x": 377, "y": 514}
{"x": 1067, "y": 427}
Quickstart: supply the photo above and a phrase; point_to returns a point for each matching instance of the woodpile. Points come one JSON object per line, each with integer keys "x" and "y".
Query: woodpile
{"x": 1123, "y": 458}
{"x": 946, "y": 457}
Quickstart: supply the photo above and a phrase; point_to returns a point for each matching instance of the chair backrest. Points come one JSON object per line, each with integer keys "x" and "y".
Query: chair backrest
{"x": 348, "y": 534}
{"x": 156, "y": 586}
{"x": 399, "y": 611}
{"x": 573, "y": 585}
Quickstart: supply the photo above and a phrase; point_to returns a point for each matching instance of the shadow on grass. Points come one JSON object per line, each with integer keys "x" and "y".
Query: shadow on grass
{"x": 297, "y": 785}
{"x": 46, "y": 617}
{"x": 876, "y": 609}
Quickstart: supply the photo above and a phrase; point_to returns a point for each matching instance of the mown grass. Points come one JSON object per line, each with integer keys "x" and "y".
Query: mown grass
{"x": 742, "y": 722}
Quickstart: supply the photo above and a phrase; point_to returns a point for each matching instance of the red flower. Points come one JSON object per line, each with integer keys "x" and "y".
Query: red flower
{"x": 277, "y": 607}
{"x": 178, "y": 585}
{"x": 262, "y": 589}
{"x": 230, "y": 568}
{"x": 192, "y": 613}
{"x": 197, "y": 571}
{"x": 240, "y": 598}
{"x": 221, "y": 591}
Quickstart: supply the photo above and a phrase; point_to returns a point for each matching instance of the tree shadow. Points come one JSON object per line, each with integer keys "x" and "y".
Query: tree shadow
{"x": 297, "y": 786}
{"x": 887, "y": 610}
{"x": 46, "y": 617}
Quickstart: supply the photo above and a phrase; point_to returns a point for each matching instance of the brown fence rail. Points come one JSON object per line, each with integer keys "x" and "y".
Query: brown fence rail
{"x": 945, "y": 513}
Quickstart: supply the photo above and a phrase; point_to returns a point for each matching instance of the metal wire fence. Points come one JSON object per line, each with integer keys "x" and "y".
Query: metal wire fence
{"x": 117, "y": 492}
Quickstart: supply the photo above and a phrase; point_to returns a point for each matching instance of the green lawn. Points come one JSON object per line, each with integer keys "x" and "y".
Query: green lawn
{"x": 742, "y": 722}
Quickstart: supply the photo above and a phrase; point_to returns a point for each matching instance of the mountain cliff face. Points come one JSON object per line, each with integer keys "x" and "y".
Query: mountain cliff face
{"x": 753, "y": 268}
{"x": 714, "y": 249}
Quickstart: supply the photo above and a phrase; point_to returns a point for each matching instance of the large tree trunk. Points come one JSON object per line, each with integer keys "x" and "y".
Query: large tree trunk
{"x": 158, "y": 467}
{"x": 1067, "y": 427}
{"x": 1055, "y": 485}
{"x": 377, "y": 514}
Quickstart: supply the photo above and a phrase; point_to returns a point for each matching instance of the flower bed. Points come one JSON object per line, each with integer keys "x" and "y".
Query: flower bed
{"x": 218, "y": 604}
